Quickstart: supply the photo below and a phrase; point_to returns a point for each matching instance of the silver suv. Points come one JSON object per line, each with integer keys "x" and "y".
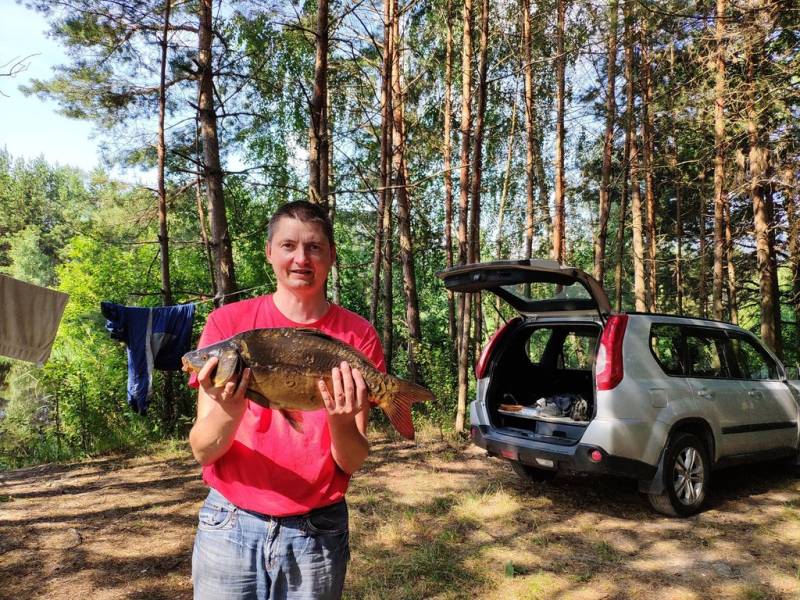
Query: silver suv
{"x": 570, "y": 385}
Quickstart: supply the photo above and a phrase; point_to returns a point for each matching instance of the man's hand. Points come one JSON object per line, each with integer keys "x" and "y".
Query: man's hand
{"x": 349, "y": 393}
{"x": 219, "y": 412}
{"x": 348, "y": 415}
{"x": 231, "y": 396}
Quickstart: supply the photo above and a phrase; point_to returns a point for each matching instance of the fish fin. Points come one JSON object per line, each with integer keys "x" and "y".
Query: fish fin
{"x": 314, "y": 332}
{"x": 257, "y": 397}
{"x": 399, "y": 413}
{"x": 398, "y": 409}
{"x": 295, "y": 419}
{"x": 413, "y": 391}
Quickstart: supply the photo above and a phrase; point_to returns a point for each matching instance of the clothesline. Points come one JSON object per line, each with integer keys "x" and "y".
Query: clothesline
{"x": 221, "y": 296}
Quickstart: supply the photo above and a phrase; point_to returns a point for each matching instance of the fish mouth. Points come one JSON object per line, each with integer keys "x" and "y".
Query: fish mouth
{"x": 187, "y": 366}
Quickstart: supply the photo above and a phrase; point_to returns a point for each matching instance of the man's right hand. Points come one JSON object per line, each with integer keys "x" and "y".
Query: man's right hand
{"x": 231, "y": 396}
{"x": 219, "y": 412}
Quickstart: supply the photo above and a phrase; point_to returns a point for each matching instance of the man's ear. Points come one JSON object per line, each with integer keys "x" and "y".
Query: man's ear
{"x": 268, "y": 251}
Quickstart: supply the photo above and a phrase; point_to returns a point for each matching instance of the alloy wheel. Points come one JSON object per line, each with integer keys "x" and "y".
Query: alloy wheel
{"x": 688, "y": 476}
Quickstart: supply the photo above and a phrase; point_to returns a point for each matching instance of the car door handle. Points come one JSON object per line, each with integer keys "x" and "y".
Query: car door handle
{"x": 704, "y": 393}
{"x": 755, "y": 394}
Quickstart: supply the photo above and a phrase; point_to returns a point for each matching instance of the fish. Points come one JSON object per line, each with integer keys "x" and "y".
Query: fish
{"x": 286, "y": 364}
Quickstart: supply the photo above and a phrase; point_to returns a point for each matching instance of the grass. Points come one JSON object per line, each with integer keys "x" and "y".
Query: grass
{"x": 606, "y": 552}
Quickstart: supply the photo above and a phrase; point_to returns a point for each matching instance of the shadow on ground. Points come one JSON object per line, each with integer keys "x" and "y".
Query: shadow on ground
{"x": 431, "y": 520}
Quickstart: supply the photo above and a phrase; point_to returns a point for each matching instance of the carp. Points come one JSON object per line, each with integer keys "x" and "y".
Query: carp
{"x": 285, "y": 365}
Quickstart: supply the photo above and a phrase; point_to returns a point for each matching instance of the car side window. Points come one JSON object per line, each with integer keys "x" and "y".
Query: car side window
{"x": 666, "y": 344}
{"x": 705, "y": 354}
{"x": 754, "y": 362}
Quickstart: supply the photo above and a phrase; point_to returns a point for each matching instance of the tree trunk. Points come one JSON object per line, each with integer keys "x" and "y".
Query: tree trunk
{"x": 336, "y": 283}
{"x": 477, "y": 151}
{"x": 385, "y": 158}
{"x": 499, "y": 247}
{"x": 633, "y": 168}
{"x": 559, "y": 228}
{"x": 161, "y": 150}
{"x": 477, "y": 162}
{"x": 759, "y": 194}
{"x": 679, "y": 247}
{"x": 530, "y": 131}
{"x": 463, "y": 207}
{"x": 733, "y": 305}
{"x": 703, "y": 289}
{"x": 678, "y": 179}
{"x": 791, "y": 187}
{"x": 647, "y": 159}
{"x": 318, "y": 168}
{"x": 388, "y": 295}
{"x": 168, "y": 413}
{"x": 403, "y": 208}
{"x": 608, "y": 145}
{"x": 773, "y": 263}
{"x": 212, "y": 169}
{"x": 500, "y": 252}
{"x": 201, "y": 215}
{"x": 448, "y": 176}
{"x": 623, "y": 208}
{"x": 719, "y": 162}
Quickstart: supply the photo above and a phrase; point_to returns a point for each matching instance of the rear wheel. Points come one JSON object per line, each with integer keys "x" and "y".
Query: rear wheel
{"x": 686, "y": 473}
{"x": 530, "y": 473}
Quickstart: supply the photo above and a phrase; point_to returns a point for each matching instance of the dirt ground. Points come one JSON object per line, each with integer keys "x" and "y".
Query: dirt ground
{"x": 433, "y": 519}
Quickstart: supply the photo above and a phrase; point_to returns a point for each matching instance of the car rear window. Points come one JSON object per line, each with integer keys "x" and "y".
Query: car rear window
{"x": 563, "y": 349}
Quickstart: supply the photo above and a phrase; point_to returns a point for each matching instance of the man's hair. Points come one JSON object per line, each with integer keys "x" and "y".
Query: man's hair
{"x": 306, "y": 212}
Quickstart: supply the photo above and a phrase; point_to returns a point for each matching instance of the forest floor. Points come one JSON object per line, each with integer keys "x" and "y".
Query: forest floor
{"x": 431, "y": 519}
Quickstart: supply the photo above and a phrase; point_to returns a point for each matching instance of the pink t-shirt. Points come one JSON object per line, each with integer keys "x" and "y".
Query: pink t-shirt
{"x": 271, "y": 468}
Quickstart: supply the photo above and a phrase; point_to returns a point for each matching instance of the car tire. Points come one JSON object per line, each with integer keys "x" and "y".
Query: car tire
{"x": 529, "y": 473}
{"x": 686, "y": 472}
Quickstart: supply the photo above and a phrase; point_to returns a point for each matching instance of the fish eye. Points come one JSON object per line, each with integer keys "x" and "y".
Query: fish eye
{"x": 204, "y": 357}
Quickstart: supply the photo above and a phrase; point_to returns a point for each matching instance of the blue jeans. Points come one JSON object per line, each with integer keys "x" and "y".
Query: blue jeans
{"x": 242, "y": 555}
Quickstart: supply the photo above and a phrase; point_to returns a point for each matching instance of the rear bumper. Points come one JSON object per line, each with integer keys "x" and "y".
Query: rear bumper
{"x": 575, "y": 458}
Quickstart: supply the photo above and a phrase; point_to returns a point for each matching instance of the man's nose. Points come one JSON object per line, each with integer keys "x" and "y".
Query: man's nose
{"x": 302, "y": 255}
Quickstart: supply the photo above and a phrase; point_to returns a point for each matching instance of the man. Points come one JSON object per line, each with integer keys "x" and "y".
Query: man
{"x": 275, "y": 523}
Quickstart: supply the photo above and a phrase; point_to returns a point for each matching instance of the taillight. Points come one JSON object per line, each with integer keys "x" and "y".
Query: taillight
{"x": 483, "y": 360}
{"x": 608, "y": 368}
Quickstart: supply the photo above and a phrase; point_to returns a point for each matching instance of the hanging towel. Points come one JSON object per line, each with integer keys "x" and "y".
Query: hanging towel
{"x": 29, "y": 319}
{"x": 156, "y": 338}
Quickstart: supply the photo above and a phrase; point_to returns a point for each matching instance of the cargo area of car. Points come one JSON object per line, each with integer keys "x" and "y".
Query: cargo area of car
{"x": 542, "y": 382}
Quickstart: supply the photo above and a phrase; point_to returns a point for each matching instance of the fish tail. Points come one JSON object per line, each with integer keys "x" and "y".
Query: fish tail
{"x": 398, "y": 408}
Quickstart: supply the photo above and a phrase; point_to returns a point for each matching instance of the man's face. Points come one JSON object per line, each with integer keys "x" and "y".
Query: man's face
{"x": 300, "y": 255}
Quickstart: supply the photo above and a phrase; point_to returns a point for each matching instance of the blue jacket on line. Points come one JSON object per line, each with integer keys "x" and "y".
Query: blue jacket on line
{"x": 155, "y": 337}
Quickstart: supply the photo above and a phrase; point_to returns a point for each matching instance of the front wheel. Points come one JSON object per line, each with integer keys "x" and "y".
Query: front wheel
{"x": 530, "y": 473}
{"x": 686, "y": 472}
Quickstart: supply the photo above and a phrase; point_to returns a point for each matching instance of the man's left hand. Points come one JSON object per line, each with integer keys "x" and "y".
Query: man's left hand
{"x": 350, "y": 393}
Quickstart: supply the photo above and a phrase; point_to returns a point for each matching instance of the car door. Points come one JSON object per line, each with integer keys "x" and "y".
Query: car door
{"x": 772, "y": 410}
{"x": 718, "y": 394}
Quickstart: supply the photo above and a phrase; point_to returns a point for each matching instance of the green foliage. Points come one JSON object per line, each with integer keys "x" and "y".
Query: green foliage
{"x": 96, "y": 239}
